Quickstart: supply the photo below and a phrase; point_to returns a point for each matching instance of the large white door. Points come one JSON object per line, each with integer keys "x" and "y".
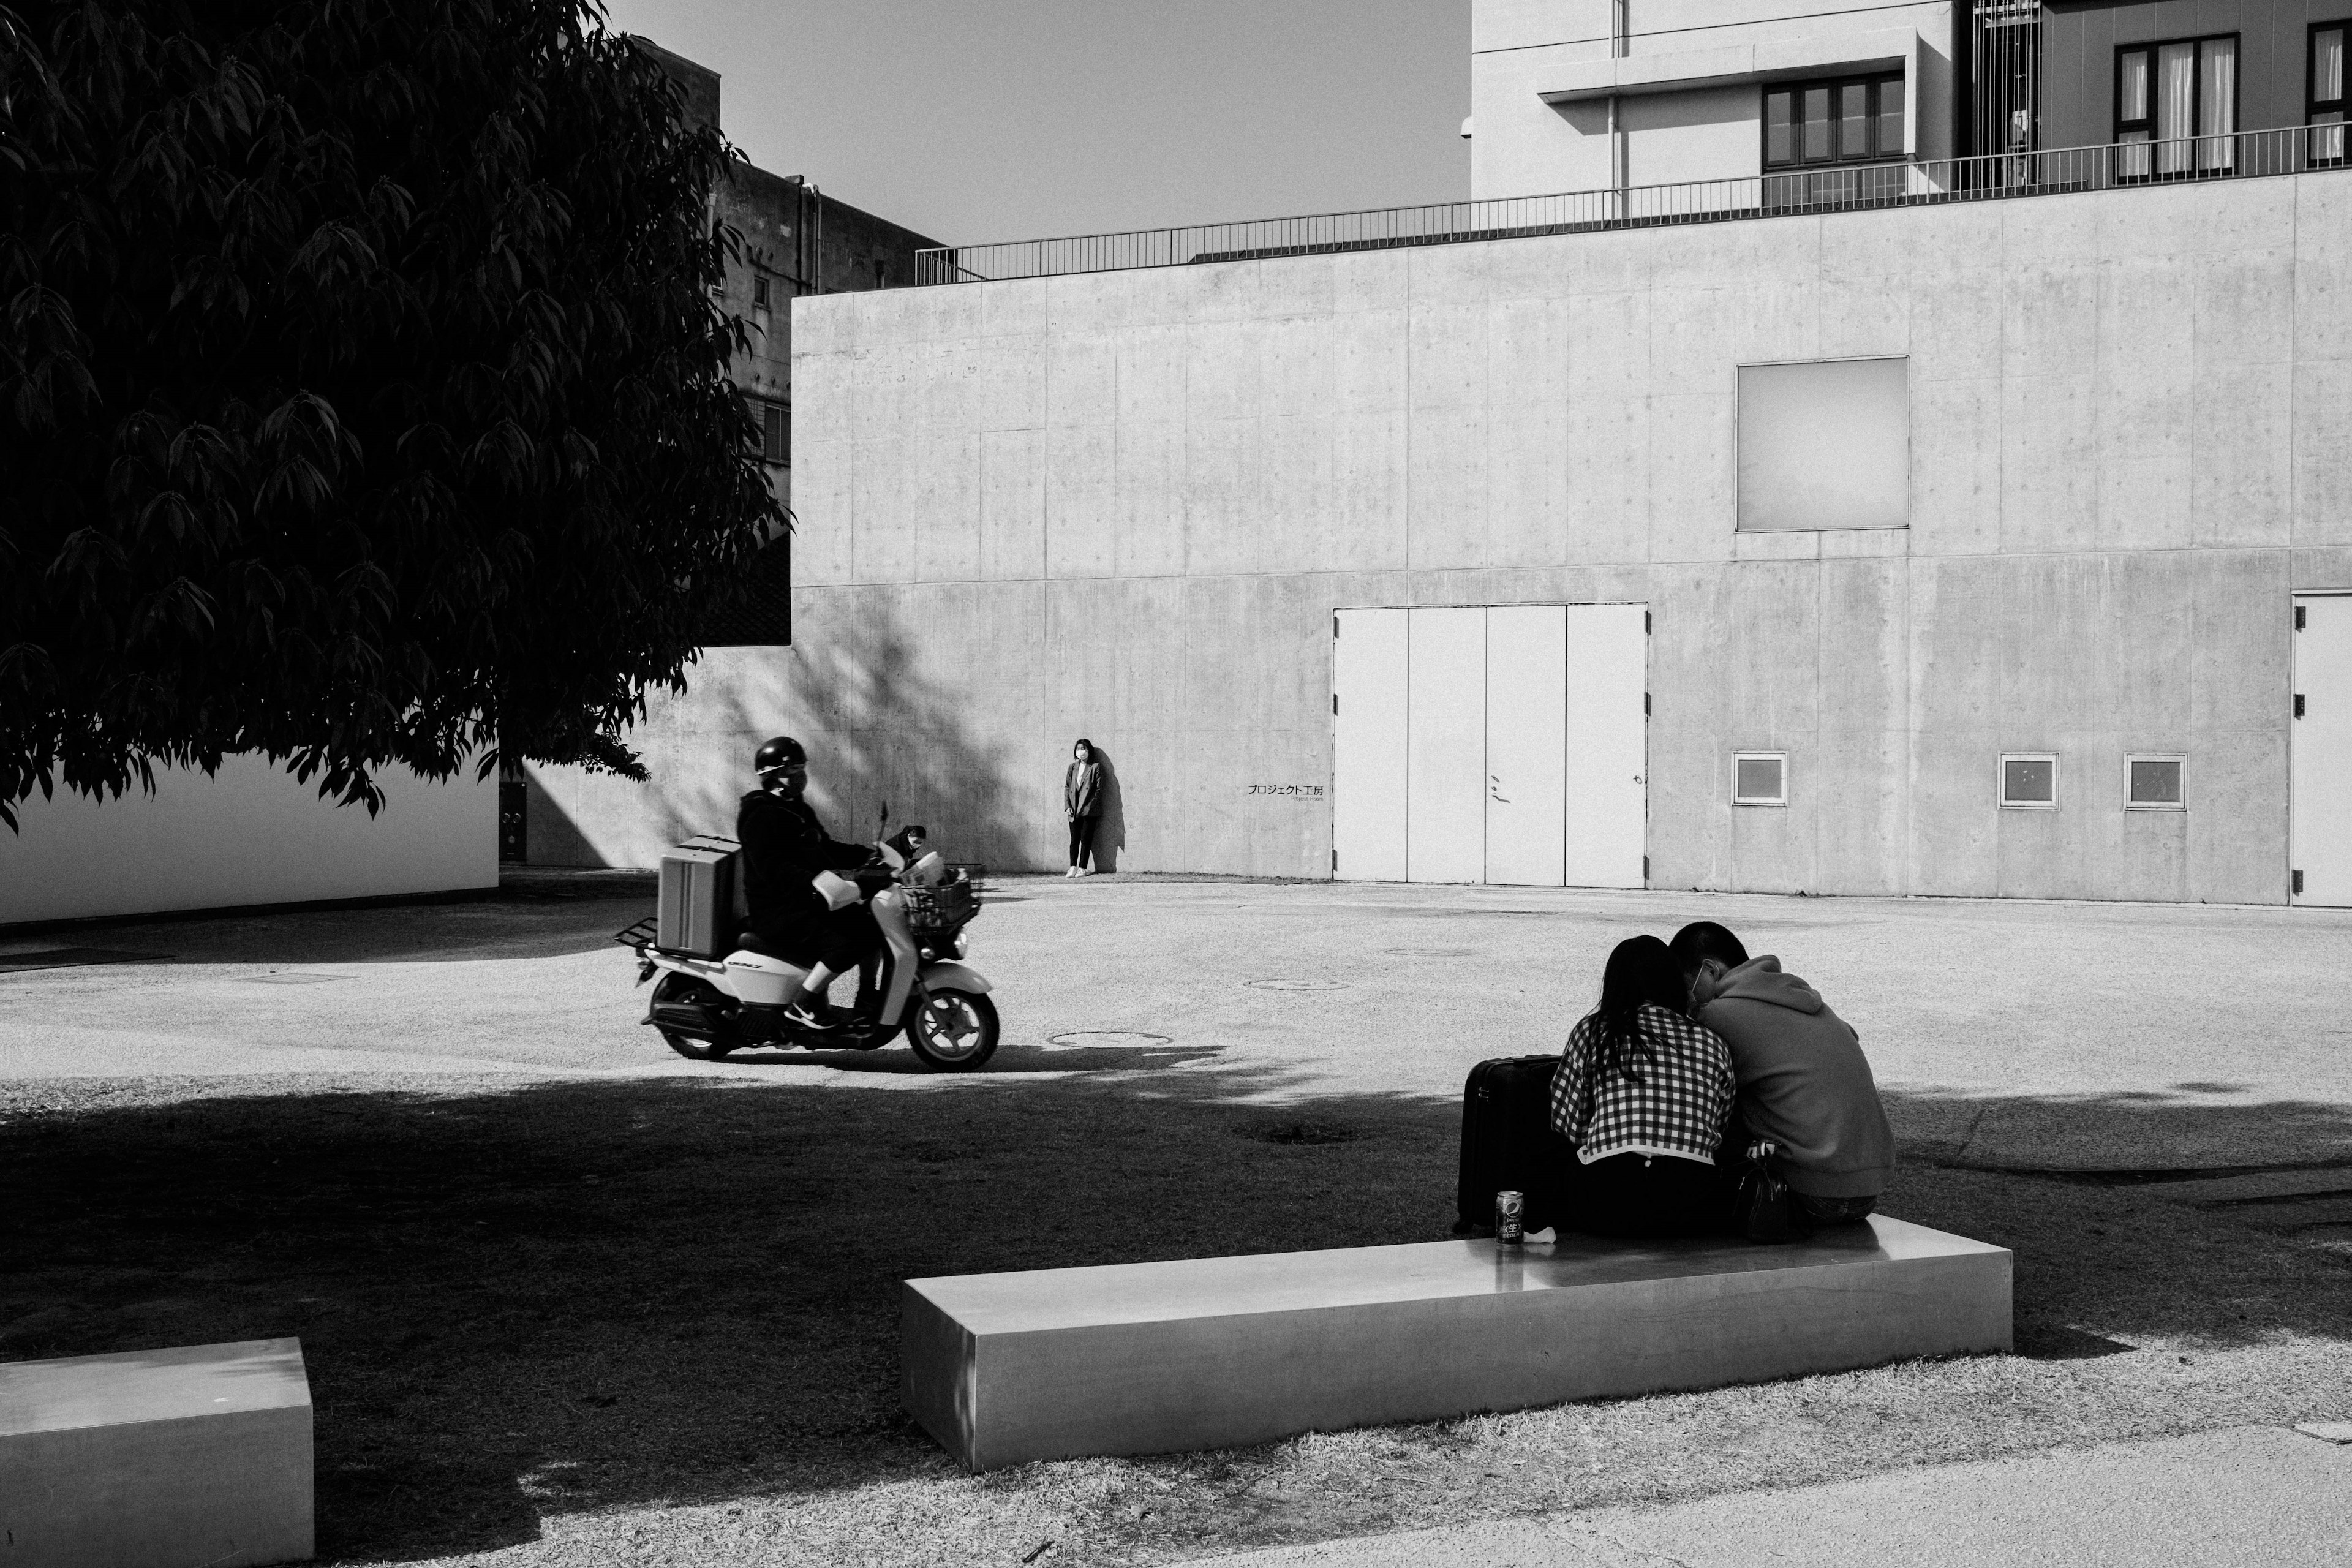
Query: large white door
{"x": 1367, "y": 746}
{"x": 1446, "y": 746}
{"x": 2319, "y": 813}
{"x": 1505, "y": 744}
{"x": 1606, "y": 805}
{"x": 1527, "y": 679}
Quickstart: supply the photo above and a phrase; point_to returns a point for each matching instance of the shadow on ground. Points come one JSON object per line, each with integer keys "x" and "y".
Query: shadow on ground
{"x": 521, "y": 1303}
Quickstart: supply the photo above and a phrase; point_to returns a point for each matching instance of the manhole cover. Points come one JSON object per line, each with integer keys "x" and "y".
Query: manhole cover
{"x": 293, "y": 979}
{"x": 1108, "y": 1037}
{"x": 1298, "y": 984}
{"x": 1430, "y": 952}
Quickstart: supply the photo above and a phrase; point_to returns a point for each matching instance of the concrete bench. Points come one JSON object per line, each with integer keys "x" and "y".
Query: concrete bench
{"x": 197, "y": 1456}
{"x": 1213, "y": 1352}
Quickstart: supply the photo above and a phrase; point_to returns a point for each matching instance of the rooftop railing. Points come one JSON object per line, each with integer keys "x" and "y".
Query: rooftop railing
{"x": 1827, "y": 188}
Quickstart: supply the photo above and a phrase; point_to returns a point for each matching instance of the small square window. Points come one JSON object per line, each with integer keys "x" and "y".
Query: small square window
{"x": 1760, "y": 778}
{"x": 2028, "y": 782}
{"x": 2153, "y": 783}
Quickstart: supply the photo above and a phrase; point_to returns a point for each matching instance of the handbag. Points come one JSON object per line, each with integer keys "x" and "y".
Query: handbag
{"x": 1766, "y": 1209}
{"x": 838, "y": 892}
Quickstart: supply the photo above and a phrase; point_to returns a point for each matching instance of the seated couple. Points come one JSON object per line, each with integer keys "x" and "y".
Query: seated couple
{"x": 1696, "y": 1051}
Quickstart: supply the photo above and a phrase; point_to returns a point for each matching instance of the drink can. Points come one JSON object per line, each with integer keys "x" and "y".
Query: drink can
{"x": 1510, "y": 1218}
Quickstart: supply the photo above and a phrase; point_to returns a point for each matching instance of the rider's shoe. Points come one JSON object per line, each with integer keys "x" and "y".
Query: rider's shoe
{"x": 817, "y": 1020}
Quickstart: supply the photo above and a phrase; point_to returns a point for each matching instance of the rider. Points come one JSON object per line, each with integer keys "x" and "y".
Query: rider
{"x": 784, "y": 848}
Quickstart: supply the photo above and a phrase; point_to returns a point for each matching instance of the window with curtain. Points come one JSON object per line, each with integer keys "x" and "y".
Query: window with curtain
{"x": 2325, "y": 105}
{"x": 2182, "y": 96}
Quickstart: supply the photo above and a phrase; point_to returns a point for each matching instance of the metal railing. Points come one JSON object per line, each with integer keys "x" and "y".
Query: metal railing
{"x": 1856, "y": 188}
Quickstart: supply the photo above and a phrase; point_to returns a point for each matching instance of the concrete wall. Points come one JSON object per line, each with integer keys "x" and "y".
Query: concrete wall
{"x": 2079, "y": 43}
{"x": 249, "y": 835}
{"x": 1691, "y": 108}
{"x": 1124, "y": 505}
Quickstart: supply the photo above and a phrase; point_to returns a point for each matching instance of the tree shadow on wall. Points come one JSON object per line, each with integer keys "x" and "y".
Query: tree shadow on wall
{"x": 881, "y": 732}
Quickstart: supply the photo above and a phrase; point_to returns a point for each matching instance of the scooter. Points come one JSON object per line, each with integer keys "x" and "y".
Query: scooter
{"x": 707, "y": 1008}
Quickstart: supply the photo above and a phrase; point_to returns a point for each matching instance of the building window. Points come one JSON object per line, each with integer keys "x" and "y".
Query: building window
{"x": 2028, "y": 782}
{"x": 2153, "y": 783}
{"x": 1815, "y": 132}
{"x": 1858, "y": 121}
{"x": 1759, "y": 778}
{"x": 2326, "y": 102}
{"x": 2168, "y": 93}
{"x": 761, "y": 316}
{"x": 776, "y": 434}
{"x": 1825, "y": 444}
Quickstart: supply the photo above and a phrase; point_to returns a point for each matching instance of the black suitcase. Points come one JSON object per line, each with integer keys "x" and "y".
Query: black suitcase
{"x": 1508, "y": 1144}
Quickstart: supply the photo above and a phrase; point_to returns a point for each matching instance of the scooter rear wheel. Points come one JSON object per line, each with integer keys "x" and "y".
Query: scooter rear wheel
{"x": 676, "y": 987}
{"x": 953, "y": 1031}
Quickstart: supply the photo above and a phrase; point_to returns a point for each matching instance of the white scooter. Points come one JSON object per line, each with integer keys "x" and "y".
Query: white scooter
{"x": 706, "y": 1009}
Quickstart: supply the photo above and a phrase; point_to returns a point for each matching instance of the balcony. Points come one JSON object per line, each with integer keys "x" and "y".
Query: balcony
{"x": 2006, "y": 177}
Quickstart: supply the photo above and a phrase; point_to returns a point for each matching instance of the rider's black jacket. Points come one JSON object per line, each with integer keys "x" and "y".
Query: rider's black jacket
{"x": 784, "y": 846}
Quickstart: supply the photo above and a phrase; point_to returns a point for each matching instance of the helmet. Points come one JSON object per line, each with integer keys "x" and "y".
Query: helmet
{"x": 778, "y": 754}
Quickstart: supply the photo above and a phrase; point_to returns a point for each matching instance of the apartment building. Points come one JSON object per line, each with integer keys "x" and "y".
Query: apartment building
{"x": 1572, "y": 95}
{"x": 1828, "y": 101}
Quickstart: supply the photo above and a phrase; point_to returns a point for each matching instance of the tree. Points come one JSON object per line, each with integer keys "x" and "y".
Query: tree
{"x": 363, "y": 389}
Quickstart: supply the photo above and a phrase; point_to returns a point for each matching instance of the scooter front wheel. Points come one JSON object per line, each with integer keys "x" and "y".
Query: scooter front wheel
{"x": 953, "y": 1031}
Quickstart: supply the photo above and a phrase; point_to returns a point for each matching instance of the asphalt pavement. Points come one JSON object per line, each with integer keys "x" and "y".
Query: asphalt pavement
{"x": 2031, "y": 1036}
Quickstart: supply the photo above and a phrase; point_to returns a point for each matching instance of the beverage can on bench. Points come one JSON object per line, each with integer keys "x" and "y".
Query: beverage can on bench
{"x": 1510, "y": 1218}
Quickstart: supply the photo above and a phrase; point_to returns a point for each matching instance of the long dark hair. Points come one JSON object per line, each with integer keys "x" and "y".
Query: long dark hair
{"x": 1641, "y": 969}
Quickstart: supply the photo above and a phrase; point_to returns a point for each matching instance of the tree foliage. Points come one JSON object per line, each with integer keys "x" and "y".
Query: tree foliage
{"x": 363, "y": 388}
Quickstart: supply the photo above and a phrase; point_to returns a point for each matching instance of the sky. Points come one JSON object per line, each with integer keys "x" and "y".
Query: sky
{"x": 973, "y": 121}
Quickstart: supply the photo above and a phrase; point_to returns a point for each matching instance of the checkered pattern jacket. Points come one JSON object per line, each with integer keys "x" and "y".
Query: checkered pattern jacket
{"x": 1672, "y": 1101}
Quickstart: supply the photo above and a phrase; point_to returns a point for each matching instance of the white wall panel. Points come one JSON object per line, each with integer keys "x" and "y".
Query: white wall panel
{"x": 247, "y": 834}
{"x": 1608, "y": 743}
{"x": 1445, "y": 839}
{"x": 1527, "y": 672}
{"x": 1367, "y": 746}
{"x": 2320, "y": 792}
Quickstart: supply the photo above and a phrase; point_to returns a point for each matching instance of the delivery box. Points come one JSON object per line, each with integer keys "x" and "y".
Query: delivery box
{"x": 701, "y": 907}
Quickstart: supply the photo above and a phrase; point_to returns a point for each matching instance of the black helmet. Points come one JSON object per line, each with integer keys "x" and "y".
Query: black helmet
{"x": 778, "y": 754}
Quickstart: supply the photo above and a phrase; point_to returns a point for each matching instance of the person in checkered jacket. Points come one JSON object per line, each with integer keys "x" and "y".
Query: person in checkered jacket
{"x": 1643, "y": 1092}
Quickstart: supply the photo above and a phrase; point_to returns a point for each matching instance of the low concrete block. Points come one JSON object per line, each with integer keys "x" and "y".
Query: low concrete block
{"x": 1213, "y": 1352}
{"x": 197, "y": 1456}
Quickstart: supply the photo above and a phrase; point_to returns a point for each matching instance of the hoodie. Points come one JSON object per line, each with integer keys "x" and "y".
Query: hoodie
{"x": 1803, "y": 1080}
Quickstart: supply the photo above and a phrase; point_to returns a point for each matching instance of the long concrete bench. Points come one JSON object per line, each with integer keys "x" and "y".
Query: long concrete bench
{"x": 1147, "y": 1358}
{"x": 197, "y": 1456}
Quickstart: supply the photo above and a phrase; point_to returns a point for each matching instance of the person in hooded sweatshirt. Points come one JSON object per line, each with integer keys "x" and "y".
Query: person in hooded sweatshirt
{"x": 1805, "y": 1083}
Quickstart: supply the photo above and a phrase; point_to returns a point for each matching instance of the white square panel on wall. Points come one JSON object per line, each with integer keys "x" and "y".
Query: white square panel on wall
{"x": 1825, "y": 444}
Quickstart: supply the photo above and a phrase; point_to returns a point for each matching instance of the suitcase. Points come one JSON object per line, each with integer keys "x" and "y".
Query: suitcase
{"x": 1508, "y": 1144}
{"x": 697, "y": 914}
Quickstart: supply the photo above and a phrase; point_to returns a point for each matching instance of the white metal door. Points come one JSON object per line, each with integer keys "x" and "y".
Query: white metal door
{"x": 2319, "y": 797}
{"x": 1527, "y": 677}
{"x": 1367, "y": 746}
{"x": 1606, "y": 796}
{"x": 1446, "y": 746}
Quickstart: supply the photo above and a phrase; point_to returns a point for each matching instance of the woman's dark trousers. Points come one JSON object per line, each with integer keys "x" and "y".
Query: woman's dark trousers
{"x": 1082, "y": 841}
{"x": 1646, "y": 1195}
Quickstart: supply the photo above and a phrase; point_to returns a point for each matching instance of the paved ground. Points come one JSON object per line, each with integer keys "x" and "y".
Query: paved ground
{"x": 2252, "y": 1496}
{"x": 2187, "y": 1072}
{"x": 2073, "y": 1037}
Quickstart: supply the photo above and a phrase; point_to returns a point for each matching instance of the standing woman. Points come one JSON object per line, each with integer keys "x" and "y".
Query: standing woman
{"x": 1643, "y": 1092}
{"x": 1082, "y": 801}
